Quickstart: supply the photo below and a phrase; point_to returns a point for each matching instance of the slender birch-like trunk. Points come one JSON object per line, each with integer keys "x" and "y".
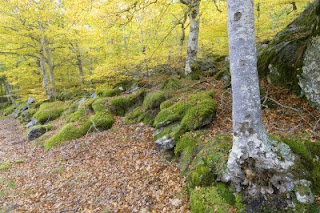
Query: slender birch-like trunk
{"x": 50, "y": 66}
{"x": 45, "y": 81}
{"x": 192, "y": 50}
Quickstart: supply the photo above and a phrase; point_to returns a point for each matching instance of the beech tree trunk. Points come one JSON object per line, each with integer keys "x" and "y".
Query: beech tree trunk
{"x": 8, "y": 90}
{"x": 192, "y": 50}
{"x": 50, "y": 65}
{"x": 258, "y": 166}
{"x": 45, "y": 81}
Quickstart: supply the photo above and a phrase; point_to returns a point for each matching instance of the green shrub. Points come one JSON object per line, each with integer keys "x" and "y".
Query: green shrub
{"x": 49, "y": 111}
{"x": 104, "y": 92}
{"x": 154, "y": 99}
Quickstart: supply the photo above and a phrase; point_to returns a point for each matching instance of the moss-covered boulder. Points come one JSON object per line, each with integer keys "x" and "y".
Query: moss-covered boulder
{"x": 68, "y": 132}
{"x": 165, "y": 137}
{"x": 191, "y": 114}
{"x": 107, "y": 92}
{"x": 292, "y": 58}
{"x": 141, "y": 115}
{"x": 214, "y": 199}
{"x": 154, "y": 99}
{"x": 37, "y": 131}
{"x": 122, "y": 104}
{"x": 49, "y": 111}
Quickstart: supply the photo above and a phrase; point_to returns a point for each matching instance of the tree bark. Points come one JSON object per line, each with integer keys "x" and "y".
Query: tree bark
{"x": 8, "y": 90}
{"x": 51, "y": 67}
{"x": 45, "y": 82}
{"x": 257, "y": 165}
{"x": 192, "y": 50}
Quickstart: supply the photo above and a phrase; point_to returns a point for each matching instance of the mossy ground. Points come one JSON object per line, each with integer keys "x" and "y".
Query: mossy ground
{"x": 49, "y": 111}
{"x": 105, "y": 92}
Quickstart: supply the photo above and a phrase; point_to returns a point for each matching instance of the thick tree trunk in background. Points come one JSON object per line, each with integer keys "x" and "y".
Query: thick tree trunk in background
{"x": 50, "y": 65}
{"x": 257, "y": 165}
{"x": 192, "y": 50}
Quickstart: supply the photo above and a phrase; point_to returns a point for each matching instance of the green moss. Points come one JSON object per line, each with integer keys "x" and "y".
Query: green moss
{"x": 195, "y": 76}
{"x": 172, "y": 84}
{"x": 171, "y": 131}
{"x": 5, "y": 166}
{"x": 210, "y": 200}
{"x": 100, "y": 105}
{"x": 210, "y": 161}
{"x": 166, "y": 104}
{"x": 78, "y": 115}
{"x": 185, "y": 147}
{"x": 222, "y": 73}
{"x": 141, "y": 115}
{"x": 104, "y": 92}
{"x": 120, "y": 105}
{"x": 311, "y": 208}
{"x": 102, "y": 121}
{"x": 154, "y": 99}
{"x": 49, "y": 111}
{"x": 198, "y": 115}
{"x": 9, "y": 110}
{"x": 68, "y": 132}
{"x": 171, "y": 114}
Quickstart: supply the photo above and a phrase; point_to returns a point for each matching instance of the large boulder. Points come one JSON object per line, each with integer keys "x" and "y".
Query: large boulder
{"x": 291, "y": 59}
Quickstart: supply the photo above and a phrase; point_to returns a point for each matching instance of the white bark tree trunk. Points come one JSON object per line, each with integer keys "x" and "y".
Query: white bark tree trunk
{"x": 257, "y": 165}
{"x": 45, "y": 81}
{"x": 192, "y": 50}
{"x": 50, "y": 65}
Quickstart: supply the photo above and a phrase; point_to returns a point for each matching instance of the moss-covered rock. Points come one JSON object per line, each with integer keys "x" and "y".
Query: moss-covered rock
{"x": 140, "y": 114}
{"x": 68, "y": 132}
{"x": 154, "y": 99}
{"x": 214, "y": 199}
{"x": 121, "y": 105}
{"x": 166, "y": 137}
{"x": 49, "y": 111}
{"x": 308, "y": 162}
{"x": 9, "y": 110}
{"x": 283, "y": 62}
{"x": 172, "y": 84}
{"x": 102, "y": 121}
{"x": 166, "y": 104}
{"x": 200, "y": 114}
{"x": 171, "y": 114}
{"x": 37, "y": 131}
{"x": 107, "y": 92}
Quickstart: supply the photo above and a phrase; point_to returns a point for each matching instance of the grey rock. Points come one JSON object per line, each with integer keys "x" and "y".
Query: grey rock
{"x": 309, "y": 80}
{"x": 94, "y": 95}
{"x": 33, "y": 122}
{"x": 303, "y": 192}
{"x": 81, "y": 101}
{"x": 36, "y": 132}
{"x": 30, "y": 101}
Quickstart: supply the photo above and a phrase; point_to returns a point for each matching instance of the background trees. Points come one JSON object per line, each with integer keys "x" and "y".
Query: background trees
{"x": 48, "y": 47}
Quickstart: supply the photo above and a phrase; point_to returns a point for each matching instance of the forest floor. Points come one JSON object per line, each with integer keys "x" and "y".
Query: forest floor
{"x": 119, "y": 170}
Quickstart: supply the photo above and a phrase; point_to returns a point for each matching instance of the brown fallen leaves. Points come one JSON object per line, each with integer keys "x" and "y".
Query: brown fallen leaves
{"x": 114, "y": 171}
